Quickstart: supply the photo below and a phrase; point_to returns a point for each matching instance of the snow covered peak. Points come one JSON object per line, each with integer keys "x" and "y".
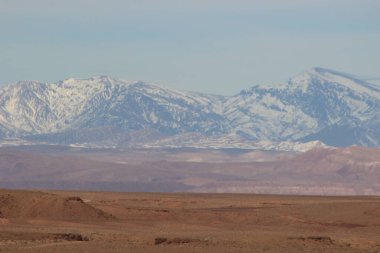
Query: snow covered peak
{"x": 308, "y": 77}
{"x": 317, "y": 76}
{"x": 332, "y": 75}
{"x": 95, "y": 80}
{"x": 318, "y": 104}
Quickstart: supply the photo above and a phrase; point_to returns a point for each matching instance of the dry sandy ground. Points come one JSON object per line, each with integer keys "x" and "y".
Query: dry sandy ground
{"x": 146, "y": 222}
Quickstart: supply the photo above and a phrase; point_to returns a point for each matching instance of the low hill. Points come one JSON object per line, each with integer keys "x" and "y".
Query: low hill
{"x": 18, "y": 204}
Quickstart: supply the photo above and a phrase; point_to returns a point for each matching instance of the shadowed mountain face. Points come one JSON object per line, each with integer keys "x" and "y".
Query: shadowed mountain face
{"x": 319, "y": 104}
{"x": 345, "y": 171}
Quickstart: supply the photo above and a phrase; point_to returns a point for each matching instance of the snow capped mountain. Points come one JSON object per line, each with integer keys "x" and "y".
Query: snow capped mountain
{"x": 317, "y": 105}
{"x": 32, "y": 108}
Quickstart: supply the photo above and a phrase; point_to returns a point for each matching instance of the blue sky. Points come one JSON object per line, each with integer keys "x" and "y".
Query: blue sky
{"x": 210, "y": 46}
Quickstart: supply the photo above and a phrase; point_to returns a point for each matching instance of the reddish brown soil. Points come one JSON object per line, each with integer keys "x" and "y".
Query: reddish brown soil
{"x": 38, "y": 205}
{"x": 143, "y": 222}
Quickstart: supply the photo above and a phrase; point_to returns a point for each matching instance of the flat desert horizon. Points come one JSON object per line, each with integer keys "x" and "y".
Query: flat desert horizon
{"x": 77, "y": 221}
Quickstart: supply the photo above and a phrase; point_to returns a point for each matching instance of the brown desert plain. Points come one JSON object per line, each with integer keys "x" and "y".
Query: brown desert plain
{"x": 74, "y": 221}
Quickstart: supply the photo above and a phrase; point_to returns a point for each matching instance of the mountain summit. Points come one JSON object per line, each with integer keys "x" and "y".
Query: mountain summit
{"x": 320, "y": 104}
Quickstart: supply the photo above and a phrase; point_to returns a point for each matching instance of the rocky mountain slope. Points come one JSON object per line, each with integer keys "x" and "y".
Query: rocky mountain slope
{"x": 319, "y": 104}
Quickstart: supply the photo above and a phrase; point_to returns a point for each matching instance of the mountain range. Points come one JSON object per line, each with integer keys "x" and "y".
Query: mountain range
{"x": 317, "y": 106}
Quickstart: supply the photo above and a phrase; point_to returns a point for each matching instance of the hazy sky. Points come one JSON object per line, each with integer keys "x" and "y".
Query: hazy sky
{"x": 214, "y": 46}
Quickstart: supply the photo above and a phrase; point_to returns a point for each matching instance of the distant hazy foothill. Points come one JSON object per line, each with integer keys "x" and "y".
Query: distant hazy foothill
{"x": 113, "y": 135}
{"x": 318, "y": 105}
{"x": 338, "y": 171}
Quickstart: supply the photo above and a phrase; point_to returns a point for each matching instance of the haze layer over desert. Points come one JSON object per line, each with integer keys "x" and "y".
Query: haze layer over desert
{"x": 321, "y": 171}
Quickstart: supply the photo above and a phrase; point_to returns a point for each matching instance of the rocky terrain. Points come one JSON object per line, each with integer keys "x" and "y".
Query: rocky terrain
{"x": 153, "y": 222}
{"x": 318, "y": 105}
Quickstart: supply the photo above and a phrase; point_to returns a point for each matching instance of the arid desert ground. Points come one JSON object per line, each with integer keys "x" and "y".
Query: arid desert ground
{"x": 43, "y": 221}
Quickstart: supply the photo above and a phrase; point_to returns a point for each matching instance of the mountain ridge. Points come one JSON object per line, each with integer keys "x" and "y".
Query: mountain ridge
{"x": 311, "y": 106}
